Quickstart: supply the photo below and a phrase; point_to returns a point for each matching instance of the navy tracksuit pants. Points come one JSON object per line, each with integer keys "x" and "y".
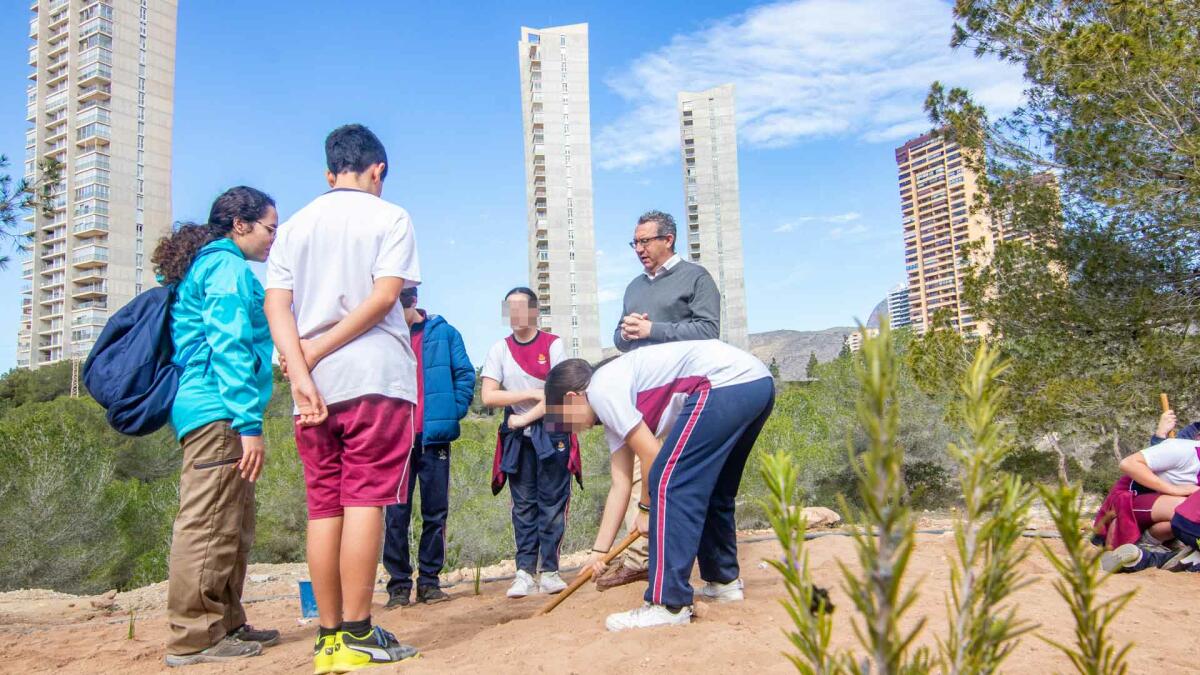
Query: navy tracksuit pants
{"x": 541, "y": 501}
{"x": 431, "y": 467}
{"x": 693, "y": 483}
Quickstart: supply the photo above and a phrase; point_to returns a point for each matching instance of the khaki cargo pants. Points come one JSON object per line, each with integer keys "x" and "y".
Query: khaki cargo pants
{"x": 637, "y": 556}
{"x": 212, "y": 537}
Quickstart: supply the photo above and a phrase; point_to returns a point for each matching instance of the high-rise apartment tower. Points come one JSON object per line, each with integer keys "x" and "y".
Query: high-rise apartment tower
{"x": 937, "y": 190}
{"x": 100, "y": 105}
{"x": 558, "y": 183}
{"x": 708, "y": 148}
{"x": 899, "y": 314}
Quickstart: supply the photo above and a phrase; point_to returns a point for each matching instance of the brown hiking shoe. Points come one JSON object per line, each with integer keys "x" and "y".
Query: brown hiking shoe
{"x": 226, "y": 650}
{"x": 619, "y": 575}
{"x": 263, "y": 636}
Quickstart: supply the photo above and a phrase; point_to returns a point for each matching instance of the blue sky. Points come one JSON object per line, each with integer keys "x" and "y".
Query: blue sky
{"x": 826, "y": 89}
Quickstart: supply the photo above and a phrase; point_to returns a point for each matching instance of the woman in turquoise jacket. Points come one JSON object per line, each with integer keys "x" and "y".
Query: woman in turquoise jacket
{"x": 223, "y": 347}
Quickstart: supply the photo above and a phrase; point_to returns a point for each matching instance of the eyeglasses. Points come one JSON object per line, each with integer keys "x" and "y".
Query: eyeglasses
{"x": 646, "y": 241}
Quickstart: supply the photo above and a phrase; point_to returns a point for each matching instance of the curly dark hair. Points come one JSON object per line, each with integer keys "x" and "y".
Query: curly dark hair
{"x": 174, "y": 254}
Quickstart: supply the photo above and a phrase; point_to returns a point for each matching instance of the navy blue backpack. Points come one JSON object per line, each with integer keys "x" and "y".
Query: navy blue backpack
{"x": 130, "y": 371}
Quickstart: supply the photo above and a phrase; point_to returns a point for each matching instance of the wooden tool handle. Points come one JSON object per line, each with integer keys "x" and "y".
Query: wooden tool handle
{"x": 1166, "y": 405}
{"x": 586, "y": 573}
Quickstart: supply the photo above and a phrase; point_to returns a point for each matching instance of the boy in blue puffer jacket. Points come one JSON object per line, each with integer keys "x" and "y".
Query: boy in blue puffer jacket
{"x": 445, "y": 386}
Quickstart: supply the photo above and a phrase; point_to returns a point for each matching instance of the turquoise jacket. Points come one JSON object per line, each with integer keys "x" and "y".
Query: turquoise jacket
{"x": 221, "y": 342}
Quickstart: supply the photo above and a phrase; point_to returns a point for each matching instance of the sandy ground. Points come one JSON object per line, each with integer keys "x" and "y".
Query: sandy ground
{"x": 42, "y": 631}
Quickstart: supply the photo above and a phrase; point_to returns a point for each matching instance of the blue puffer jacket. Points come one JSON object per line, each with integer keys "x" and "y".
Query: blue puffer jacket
{"x": 449, "y": 380}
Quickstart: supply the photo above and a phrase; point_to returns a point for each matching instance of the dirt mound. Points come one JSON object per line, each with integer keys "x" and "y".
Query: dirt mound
{"x": 40, "y": 633}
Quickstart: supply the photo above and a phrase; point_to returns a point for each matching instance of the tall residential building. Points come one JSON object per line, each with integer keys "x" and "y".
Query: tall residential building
{"x": 936, "y": 193}
{"x": 558, "y": 183}
{"x": 100, "y": 104}
{"x": 708, "y": 146}
{"x": 899, "y": 314}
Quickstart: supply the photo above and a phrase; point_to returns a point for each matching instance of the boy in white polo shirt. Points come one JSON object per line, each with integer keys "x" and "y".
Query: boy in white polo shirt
{"x": 334, "y": 275}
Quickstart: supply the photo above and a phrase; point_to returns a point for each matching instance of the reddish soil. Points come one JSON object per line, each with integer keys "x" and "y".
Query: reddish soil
{"x": 47, "y": 632}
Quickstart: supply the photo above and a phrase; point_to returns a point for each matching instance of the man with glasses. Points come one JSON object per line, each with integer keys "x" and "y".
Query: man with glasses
{"x": 672, "y": 300}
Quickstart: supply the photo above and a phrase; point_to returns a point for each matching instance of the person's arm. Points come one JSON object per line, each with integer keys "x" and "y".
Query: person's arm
{"x": 645, "y": 445}
{"x": 494, "y": 397}
{"x": 278, "y": 308}
{"x": 463, "y": 374}
{"x": 1136, "y": 467}
{"x": 619, "y": 340}
{"x": 614, "y": 507}
{"x": 705, "y": 322}
{"x": 228, "y": 332}
{"x": 1166, "y": 424}
{"x": 384, "y": 294}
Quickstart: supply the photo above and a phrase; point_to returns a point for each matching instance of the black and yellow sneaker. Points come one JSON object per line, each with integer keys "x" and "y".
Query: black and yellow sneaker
{"x": 376, "y": 647}
{"x": 323, "y": 652}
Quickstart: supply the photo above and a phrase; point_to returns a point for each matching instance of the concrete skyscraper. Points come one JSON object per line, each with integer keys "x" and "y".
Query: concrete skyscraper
{"x": 708, "y": 148}
{"x": 899, "y": 314}
{"x": 558, "y": 183}
{"x": 100, "y": 104}
{"x": 937, "y": 190}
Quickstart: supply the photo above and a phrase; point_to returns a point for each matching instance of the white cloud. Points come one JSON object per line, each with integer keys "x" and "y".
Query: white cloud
{"x": 854, "y": 231}
{"x": 790, "y": 226}
{"x": 803, "y": 69}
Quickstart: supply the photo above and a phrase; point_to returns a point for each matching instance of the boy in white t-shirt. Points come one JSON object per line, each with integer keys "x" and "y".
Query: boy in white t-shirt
{"x": 711, "y": 400}
{"x": 333, "y": 278}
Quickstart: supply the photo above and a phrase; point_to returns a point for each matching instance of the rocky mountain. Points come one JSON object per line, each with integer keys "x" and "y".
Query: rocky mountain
{"x": 790, "y": 348}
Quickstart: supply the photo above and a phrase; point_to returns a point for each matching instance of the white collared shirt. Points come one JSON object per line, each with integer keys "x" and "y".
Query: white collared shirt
{"x": 675, "y": 260}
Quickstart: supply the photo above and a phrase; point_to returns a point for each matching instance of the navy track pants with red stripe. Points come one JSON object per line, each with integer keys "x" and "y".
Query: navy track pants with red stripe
{"x": 693, "y": 484}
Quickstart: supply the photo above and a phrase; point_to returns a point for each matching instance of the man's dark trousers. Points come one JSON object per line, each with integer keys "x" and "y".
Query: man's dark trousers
{"x": 431, "y": 466}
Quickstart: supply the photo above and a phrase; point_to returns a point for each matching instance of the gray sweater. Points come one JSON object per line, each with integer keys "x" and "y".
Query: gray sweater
{"x": 683, "y": 303}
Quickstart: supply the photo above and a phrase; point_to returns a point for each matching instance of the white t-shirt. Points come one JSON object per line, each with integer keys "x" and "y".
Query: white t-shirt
{"x": 1175, "y": 460}
{"x": 539, "y": 355}
{"x": 651, "y": 384}
{"x": 329, "y": 255}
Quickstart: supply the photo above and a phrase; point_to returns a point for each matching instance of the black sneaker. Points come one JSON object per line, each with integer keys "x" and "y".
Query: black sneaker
{"x": 399, "y": 599}
{"x": 376, "y": 646}
{"x": 431, "y": 595}
{"x": 264, "y": 637}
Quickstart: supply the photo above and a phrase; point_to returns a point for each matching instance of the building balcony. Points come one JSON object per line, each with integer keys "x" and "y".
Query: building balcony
{"x": 90, "y": 291}
{"x": 51, "y": 298}
{"x": 100, "y": 133}
{"x": 91, "y": 256}
{"x": 57, "y": 43}
{"x": 95, "y": 73}
{"x": 90, "y": 318}
{"x": 90, "y": 275}
{"x": 95, "y": 92}
{"x": 95, "y": 26}
{"x": 95, "y": 55}
{"x": 92, "y": 304}
{"x": 91, "y": 225}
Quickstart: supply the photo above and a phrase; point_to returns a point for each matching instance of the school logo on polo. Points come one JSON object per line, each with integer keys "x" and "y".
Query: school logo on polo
{"x": 561, "y": 446}
{"x": 541, "y": 359}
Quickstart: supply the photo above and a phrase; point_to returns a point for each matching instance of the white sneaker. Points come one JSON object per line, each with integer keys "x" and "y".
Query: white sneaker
{"x": 730, "y": 592}
{"x": 1125, "y": 555}
{"x": 551, "y": 583}
{"x": 522, "y": 585}
{"x": 648, "y": 616}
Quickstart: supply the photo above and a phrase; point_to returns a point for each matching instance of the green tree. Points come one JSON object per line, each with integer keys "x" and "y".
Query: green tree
{"x": 1097, "y": 316}
{"x": 16, "y": 199}
{"x": 810, "y": 369}
{"x": 774, "y": 368}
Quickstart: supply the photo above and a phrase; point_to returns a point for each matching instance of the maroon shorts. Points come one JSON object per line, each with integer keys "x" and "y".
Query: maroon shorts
{"x": 358, "y": 457}
{"x": 1142, "y": 504}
